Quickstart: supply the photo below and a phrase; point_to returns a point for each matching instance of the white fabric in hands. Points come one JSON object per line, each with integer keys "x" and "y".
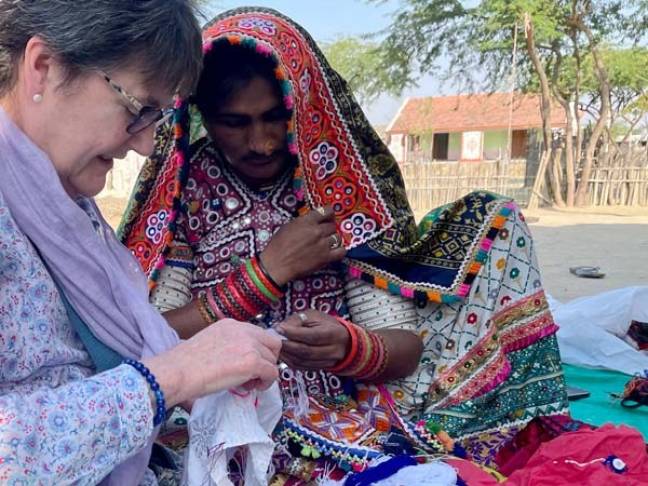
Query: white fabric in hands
{"x": 221, "y": 424}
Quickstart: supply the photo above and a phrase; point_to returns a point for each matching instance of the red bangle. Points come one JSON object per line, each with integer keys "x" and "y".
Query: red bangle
{"x": 363, "y": 356}
{"x": 266, "y": 274}
{"x": 353, "y": 347}
{"x": 380, "y": 363}
{"x": 368, "y": 366}
{"x": 253, "y": 288}
{"x": 226, "y": 298}
{"x": 240, "y": 299}
{"x": 367, "y": 357}
{"x": 271, "y": 286}
{"x": 240, "y": 296}
{"x": 213, "y": 305}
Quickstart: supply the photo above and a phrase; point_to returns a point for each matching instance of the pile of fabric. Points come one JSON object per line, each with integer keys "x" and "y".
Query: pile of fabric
{"x": 547, "y": 452}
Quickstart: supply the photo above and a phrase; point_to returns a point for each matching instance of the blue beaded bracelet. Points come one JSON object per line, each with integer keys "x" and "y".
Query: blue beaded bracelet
{"x": 160, "y": 411}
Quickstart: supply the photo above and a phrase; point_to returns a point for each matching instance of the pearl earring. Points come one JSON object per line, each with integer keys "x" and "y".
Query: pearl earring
{"x": 37, "y": 98}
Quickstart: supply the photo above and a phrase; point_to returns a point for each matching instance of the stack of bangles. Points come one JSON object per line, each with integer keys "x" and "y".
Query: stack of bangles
{"x": 243, "y": 295}
{"x": 367, "y": 357}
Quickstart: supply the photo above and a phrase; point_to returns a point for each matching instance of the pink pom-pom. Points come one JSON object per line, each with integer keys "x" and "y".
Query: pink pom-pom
{"x": 355, "y": 272}
{"x": 263, "y": 49}
{"x": 486, "y": 244}
{"x": 159, "y": 264}
{"x": 463, "y": 290}
{"x": 405, "y": 292}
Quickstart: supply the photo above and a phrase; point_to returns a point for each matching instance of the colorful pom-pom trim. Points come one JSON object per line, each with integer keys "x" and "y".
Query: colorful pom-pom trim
{"x": 179, "y": 158}
{"x": 442, "y": 297}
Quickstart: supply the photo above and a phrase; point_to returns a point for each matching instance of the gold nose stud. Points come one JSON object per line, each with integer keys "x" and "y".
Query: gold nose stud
{"x": 268, "y": 148}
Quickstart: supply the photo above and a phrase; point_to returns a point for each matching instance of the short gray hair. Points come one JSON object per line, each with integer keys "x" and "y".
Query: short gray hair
{"x": 159, "y": 38}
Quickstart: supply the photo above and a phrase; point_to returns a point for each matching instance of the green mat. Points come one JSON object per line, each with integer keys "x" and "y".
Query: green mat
{"x": 600, "y": 407}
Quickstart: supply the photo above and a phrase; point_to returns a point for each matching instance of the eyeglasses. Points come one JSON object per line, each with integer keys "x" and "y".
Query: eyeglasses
{"x": 145, "y": 116}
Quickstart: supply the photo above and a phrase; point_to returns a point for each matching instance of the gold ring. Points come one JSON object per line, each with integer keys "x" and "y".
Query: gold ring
{"x": 321, "y": 210}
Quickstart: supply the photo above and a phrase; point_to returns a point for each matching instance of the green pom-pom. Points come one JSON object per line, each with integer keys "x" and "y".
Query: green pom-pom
{"x": 433, "y": 427}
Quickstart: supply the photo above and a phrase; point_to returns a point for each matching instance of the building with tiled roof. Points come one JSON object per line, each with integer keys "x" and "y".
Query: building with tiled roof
{"x": 468, "y": 127}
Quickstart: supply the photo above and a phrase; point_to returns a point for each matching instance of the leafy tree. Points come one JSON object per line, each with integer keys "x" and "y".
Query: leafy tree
{"x": 568, "y": 54}
{"x": 358, "y": 61}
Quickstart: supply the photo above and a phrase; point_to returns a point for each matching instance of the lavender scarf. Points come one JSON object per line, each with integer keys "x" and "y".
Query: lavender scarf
{"x": 102, "y": 280}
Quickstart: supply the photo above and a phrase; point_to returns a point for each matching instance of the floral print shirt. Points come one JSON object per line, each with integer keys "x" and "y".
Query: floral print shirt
{"x": 59, "y": 422}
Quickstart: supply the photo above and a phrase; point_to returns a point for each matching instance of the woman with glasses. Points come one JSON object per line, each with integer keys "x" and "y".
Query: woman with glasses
{"x": 88, "y": 368}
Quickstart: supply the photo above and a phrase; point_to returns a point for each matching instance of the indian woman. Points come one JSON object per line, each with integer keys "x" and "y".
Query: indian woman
{"x": 271, "y": 199}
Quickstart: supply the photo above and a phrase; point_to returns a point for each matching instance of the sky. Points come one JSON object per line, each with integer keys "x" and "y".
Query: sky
{"x": 326, "y": 20}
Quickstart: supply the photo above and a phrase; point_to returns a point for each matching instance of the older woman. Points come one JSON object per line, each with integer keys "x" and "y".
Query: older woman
{"x": 87, "y": 366}
{"x": 228, "y": 220}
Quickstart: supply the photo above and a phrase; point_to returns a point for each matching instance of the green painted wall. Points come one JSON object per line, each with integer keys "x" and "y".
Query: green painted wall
{"x": 495, "y": 144}
{"x": 426, "y": 142}
{"x": 454, "y": 146}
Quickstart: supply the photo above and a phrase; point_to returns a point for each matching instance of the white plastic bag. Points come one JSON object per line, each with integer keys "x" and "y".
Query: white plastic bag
{"x": 592, "y": 329}
{"x": 223, "y": 423}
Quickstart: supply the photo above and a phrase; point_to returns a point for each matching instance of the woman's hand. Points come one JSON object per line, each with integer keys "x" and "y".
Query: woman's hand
{"x": 314, "y": 340}
{"x": 303, "y": 246}
{"x": 225, "y": 355}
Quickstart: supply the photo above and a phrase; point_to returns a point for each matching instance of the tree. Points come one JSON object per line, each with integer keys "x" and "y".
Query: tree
{"x": 560, "y": 35}
{"x": 358, "y": 61}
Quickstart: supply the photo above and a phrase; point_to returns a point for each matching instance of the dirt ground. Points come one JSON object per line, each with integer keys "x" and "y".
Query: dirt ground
{"x": 615, "y": 239}
{"x": 112, "y": 209}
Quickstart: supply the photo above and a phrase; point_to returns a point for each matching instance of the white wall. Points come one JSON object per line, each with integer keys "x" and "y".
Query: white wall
{"x": 397, "y": 147}
{"x": 471, "y": 146}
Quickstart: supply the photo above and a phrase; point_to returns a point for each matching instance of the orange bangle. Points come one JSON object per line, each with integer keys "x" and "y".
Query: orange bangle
{"x": 367, "y": 367}
{"x": 353, "y": 351}
{"x": 364, "y": 356}
{"x": 379, "y": 363}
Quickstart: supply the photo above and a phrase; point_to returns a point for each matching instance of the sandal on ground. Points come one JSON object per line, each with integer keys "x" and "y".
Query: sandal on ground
{"x": 587, "y": 272}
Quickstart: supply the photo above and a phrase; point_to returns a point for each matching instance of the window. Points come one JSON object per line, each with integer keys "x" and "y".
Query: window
{"x": 519, "y": 142}
{"x": 440, "y": 146}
